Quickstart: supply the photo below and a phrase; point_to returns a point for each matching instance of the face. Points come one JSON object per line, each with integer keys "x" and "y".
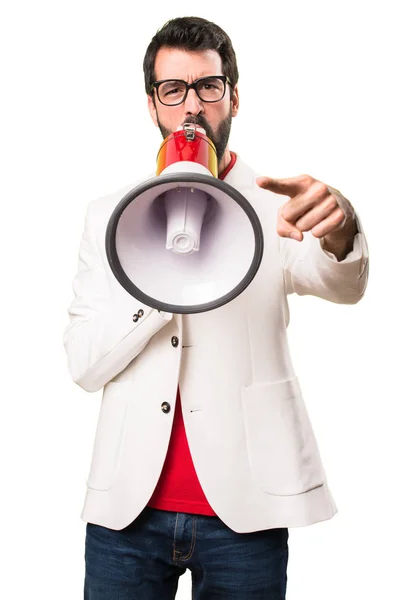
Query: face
{"x": 214, "y": 117}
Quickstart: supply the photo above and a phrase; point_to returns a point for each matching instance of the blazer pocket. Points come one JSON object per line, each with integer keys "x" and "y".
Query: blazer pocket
{"x": 282, "y": 449}
{"x": 109, "y": 433}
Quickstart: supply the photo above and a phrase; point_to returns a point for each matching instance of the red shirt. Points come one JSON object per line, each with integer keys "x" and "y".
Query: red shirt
{"x": 178, "y": 488}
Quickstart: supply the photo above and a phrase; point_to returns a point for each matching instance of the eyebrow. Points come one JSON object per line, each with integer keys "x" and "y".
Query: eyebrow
{"x": 186, "y": 80}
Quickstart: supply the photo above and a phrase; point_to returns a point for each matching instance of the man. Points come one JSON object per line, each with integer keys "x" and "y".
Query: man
{"x": 204, "y": 454}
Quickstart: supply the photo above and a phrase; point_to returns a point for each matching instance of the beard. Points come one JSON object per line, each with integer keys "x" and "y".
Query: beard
{"x": 219, "y": 138}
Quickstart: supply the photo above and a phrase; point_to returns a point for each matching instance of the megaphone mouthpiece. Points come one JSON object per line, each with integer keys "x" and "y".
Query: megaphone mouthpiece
{"x": 185, "y": 213}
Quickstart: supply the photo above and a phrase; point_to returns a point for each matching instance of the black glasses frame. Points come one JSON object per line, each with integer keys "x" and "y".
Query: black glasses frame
{"x": 224, "y": 78}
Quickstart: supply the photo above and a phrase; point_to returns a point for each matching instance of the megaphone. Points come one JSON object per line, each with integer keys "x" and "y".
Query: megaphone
{"x": 184, "y": 241}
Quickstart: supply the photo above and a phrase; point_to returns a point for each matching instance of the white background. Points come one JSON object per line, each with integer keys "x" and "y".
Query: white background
{"x": 319, "y": 94}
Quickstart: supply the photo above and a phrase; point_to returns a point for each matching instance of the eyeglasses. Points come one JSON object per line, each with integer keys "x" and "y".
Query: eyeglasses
{"x": 172, "y": 92}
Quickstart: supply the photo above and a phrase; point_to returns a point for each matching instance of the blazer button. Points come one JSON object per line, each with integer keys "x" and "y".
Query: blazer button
{"x": 140, "y": 313}
{"x": 135, "y": 318}
{"x": 165, "y": 407}
{"x": 174, "y": 341}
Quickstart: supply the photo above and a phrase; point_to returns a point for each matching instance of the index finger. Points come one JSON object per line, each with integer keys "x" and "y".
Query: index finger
{"x": 289, "y": 186}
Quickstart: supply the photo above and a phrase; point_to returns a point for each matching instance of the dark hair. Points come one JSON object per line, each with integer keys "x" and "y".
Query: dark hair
{"x": 191, "y": 34}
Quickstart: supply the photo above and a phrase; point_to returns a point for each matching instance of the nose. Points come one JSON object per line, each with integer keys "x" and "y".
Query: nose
{"x": 193, "y": 104}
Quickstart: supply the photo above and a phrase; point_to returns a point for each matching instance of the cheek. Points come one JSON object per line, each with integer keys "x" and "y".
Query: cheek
{"x": 216, "y": 115}
{"x": 170, "y": 117}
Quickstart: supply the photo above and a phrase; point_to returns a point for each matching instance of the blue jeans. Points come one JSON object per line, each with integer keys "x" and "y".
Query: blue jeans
{"x": 144, "y": 560}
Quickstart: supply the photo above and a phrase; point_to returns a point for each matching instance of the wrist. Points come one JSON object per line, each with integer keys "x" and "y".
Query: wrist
{"x": 340, "y": 242}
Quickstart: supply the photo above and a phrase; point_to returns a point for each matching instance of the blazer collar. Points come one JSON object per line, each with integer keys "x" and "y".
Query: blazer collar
{"x": 241, "y": 176}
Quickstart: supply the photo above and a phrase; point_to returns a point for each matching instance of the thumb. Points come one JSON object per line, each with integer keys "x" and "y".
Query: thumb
{"x": 287, "y": 229}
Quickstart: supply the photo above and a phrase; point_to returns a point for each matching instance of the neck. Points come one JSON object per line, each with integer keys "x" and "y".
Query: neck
{"x": 224, "y": 162}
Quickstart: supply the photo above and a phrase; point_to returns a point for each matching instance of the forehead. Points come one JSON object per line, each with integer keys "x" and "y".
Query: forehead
{"x": 172, "y": 63}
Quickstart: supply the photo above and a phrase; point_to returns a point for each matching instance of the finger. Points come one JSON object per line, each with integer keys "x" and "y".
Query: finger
{"x": 289, "y": 186}
{"x": 286, "y": 229}
{"x": 301, "y": 204}
{"x": 317, "y": 214}
{"x": 329, "y": 224}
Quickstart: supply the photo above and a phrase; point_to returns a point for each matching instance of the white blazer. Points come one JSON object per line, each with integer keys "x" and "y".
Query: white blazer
{"x": 247, "y": 425}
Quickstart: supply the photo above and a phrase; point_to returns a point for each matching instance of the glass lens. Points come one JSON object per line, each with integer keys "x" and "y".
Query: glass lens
{"x": 210, "y": 89}
{"x": 171, "y": 92}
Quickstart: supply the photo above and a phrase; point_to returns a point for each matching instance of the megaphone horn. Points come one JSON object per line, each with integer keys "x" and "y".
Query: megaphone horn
{"x": 184, "y": 241}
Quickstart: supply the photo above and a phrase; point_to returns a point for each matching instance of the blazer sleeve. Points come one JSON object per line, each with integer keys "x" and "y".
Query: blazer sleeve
{"x": 309, "y": 269}
{"x": 102, "y": 338}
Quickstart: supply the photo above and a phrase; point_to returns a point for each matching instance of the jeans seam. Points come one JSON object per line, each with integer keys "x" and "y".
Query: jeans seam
{"x": 178, "y": 559}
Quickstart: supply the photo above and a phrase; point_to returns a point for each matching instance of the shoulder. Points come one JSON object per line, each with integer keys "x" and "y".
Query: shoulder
{"x": 243, "y": 178}
{"x": 99, "y": 209}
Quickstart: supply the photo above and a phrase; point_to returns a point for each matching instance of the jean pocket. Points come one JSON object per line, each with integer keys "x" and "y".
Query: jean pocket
{"x": 282, "y": 449}
{"x": 109, "y": 434}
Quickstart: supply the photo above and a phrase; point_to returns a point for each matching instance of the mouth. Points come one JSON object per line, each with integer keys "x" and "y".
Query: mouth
{"x": 192, "y": 125}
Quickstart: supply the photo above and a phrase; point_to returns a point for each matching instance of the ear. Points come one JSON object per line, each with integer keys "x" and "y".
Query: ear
{"x": 235, "y": 101}
{"x": 152, "y": 109}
